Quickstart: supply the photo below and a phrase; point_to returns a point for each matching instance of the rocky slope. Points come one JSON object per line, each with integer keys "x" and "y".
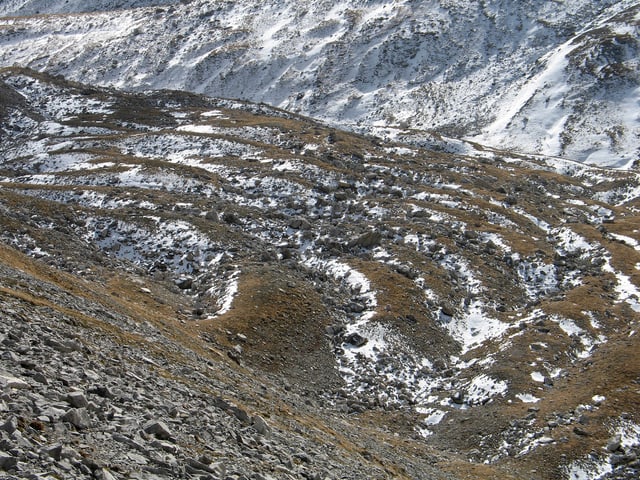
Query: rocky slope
{"x": 195, "y": 287}
{"x": 554, "y": 78}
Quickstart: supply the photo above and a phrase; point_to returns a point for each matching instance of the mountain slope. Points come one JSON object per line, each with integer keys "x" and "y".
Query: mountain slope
{"x": 437, "y": 315}
{"x": 556, "y": 78}
{"x": 38, "y": 7}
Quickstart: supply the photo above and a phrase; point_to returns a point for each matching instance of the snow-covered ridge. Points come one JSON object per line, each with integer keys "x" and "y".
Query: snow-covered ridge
{"x": 556, "y": 78}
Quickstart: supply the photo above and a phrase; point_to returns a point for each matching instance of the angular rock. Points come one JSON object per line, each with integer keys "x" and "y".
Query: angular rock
{"x": 102, "y": 391}
{"x": 356, "y": 340}
{"x": 77, "y": 399}
{"x": 10, "y": 426}
{"x": 53, "y": 451}
{"x": 7, "y": 462}
{"x": 614, "y": 443}
{"x": 78, "y": 417}
{"x": 240, "y": 414}
{"x": 159, "y": 429}
{"x": 260, "y": 426}
{"x": 368, "y": 240}
{"x": 356, "y": 307}
{"x": 457, "y": 398}
{"x": 9, "y": 381}
{"x": 184, "y": 283}
{"x": 103, "y": 474}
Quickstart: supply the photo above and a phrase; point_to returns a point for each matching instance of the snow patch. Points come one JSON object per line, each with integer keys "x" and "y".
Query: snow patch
{"x": 483, "y": 388}
{"x": 527, "y": 398}
{"x": 537, "y": 377}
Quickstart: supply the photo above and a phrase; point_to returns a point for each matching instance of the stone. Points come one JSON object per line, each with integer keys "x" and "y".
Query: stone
{"x": 260, "y": 426}
{"x": 9, "y": 381}
{"x": 457, "y": 398}
{"x": 53, "y": 451}
{"x": 614, "y": 443}
{"x": 158, "y": 429}
{"x": 447, "y": 310}
{"x": 77, "y": 399}
{"x": 356, "y": 340}
{"x": 7, "y": 462}
{"x": 184, "y": 283}
{"x": 356, "y": 307}
{"x": 10, "y": 426}
{"x": 368, "y": 240}
{"x": 103, "y": 474}
{"x": 40, "y": 378}
{"x": 199, "y": 465}
{"x": 78, "y": 417}
{"x": 240, "y": 414}
{"x": 102, "y": 391}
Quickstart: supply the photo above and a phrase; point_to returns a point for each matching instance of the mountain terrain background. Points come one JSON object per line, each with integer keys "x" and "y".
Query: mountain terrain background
{"x": 555, "y": 78}
{"x": 362, "y": 239}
